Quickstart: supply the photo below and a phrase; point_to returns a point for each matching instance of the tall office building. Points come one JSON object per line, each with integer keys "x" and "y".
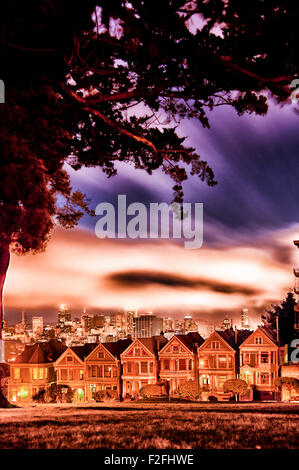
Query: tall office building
{"x": 130, "y": 314}
{"x": 146, "y": 326}
{"x": 227, "y": 324}
{"x": 64, "y": 316}
{"x": 37, "y": 325}
{"x": 245, "y": 320}
{"x": 24, "y": 320}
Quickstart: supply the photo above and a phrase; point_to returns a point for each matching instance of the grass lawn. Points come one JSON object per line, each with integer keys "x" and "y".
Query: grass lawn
{"x": 151, "y": 425}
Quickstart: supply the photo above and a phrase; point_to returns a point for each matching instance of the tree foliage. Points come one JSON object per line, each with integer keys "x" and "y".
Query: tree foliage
{"x": 189, "y": 389}
{"x": 96, "y": 83}
{"x": 236, "y": 386}
{"x": 290, "y": 383}
{"x": 286, "y": 318}
{"x": 152, "y": 390}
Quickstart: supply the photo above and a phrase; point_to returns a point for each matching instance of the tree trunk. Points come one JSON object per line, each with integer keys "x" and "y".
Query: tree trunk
{"x": 4, "y": 262}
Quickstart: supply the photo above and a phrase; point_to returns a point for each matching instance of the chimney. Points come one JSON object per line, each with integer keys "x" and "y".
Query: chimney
{"x": 236, "y": 334}
{"x": 277, "y": 329}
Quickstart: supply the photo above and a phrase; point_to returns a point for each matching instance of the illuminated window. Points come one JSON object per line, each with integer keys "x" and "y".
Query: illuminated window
{"x": 35, "y": 373}
{"x": 41, "y": 373}
{"x": 222, "y": 362}
{"x": 107, "y": 371}
{"x": 17, "y": 373}
{"x": 81, "y": 374}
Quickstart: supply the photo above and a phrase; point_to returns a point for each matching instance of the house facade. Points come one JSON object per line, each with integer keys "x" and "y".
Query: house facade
{"x": 33, "y": 370}
{"x": 103, "y": 369}
{"x": 218, "y": 361}
{"x": 70, "y": 369}
{"x": 178, "y": 360}
{"x": 259, "y": 363}
{"x": 140, "y": 365}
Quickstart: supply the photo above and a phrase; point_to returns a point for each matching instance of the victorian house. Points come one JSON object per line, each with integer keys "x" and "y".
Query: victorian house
{"x": 259, "y": 363}
{"x": 178, "y": 360}
{"x": 70, "y": 369}
{"x": 33, "y": 370}
{"x": 140, "y": 364}
{"x": 218, "y": 361}
{"x": 103, "y": 368}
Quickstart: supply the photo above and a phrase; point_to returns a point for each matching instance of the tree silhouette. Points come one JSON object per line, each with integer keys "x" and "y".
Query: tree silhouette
{"x": 286, "y": 319}
{"x": 94, "y": 83}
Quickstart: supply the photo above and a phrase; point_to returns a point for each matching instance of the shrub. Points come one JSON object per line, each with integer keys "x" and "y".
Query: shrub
{"x": 106, "y": 395}
{"x": 290, "y": 383}
{"x": 59, "y": 393}
{"x": 151, "y": 390}
{"x": 189, "y": 390}
{"x": 236, "y": 386}
{"x": 212, "y": 398}
{"x": 39, "y": 397}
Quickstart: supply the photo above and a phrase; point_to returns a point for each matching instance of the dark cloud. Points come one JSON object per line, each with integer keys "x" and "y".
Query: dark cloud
{"x": 139, "y": 279}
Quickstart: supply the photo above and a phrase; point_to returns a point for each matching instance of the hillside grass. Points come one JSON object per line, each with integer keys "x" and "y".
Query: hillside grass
{"x": 151, "y": 425}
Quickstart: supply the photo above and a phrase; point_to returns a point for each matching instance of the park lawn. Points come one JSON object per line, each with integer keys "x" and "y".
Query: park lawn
{"x": 156, "y": 426}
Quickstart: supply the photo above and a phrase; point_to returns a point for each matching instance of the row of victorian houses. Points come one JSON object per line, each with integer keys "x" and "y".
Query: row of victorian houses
{"x": 126, "y": 365}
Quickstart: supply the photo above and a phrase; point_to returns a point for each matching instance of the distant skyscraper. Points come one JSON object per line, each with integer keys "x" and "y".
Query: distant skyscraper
{"x": 24, "y": 320}
{"x": 130, "y": 313}
{"x": 227, "y": 324}
{"x": 64, "y": 316}
{"x": 37, "y": 325}
{"x": 146, "y": 326}
{"x": 244, "y": 319}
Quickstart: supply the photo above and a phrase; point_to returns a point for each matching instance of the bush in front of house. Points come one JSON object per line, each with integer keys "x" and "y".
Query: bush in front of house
{"x": 39, "y": 397}
{"x": 189, "y": 390}
{"x": 59, "y": 393}
{"x": 106, "y": 395}
{"x": 152, "y": 390}
{"x": 236, "y": 386}
{"x": 212, "y": 398}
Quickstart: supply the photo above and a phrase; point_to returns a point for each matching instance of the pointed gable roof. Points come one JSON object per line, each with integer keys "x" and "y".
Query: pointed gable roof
{"x": 270, "y": 335}
{"x": 153, "y": 344}
{"x": 191, "y": 341}
{"x": 234, "y": 337}
{"x": 83, "y": 351}
{"x": 41, "y": 353}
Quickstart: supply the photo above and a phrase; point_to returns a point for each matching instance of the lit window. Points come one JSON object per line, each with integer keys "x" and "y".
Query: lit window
{"x": 81, "y": 374}
{"x": 17, "y": 373}
{"x": 41, "y": 373}
{"x": 35, "y": 373}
